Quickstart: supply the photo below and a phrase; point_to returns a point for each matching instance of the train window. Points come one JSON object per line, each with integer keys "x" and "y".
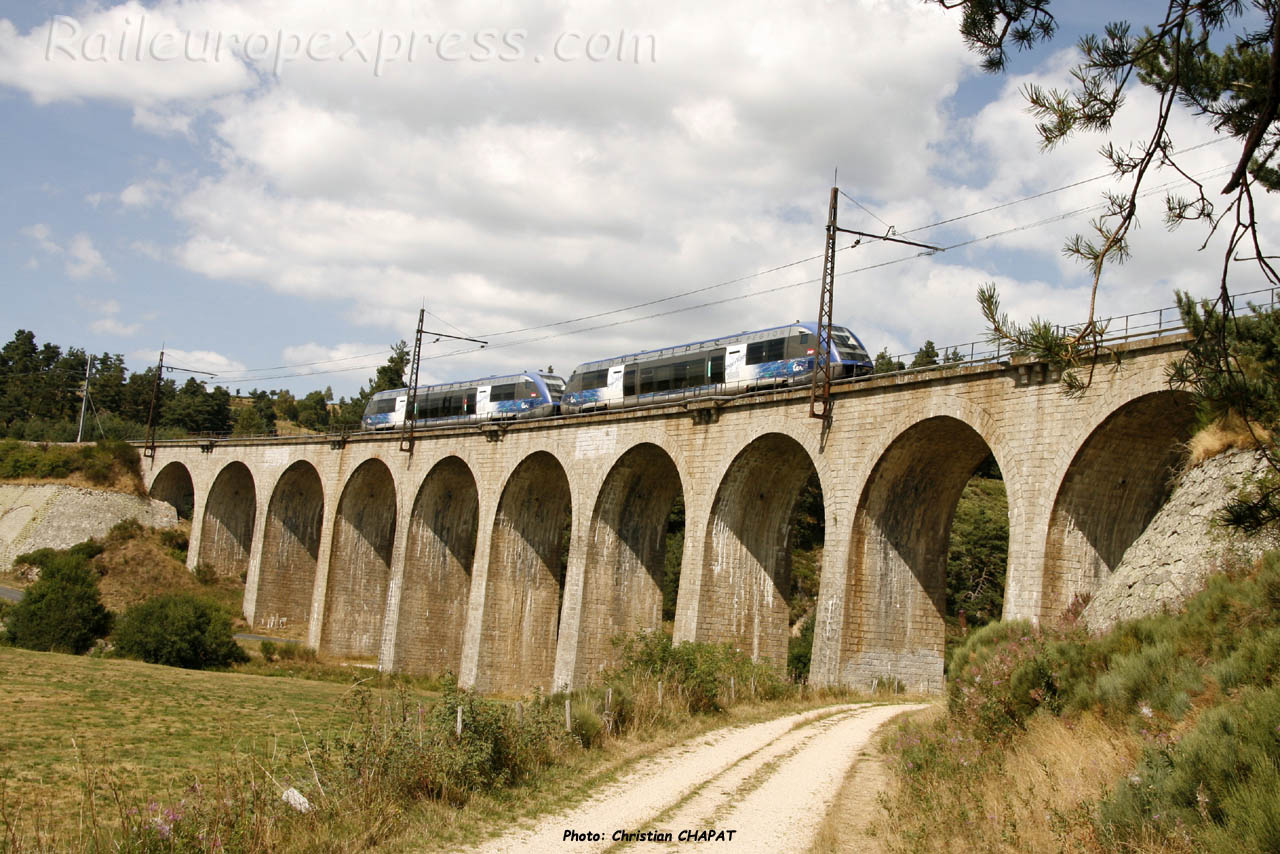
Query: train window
{"x": 527, "y": 390}
{"x": 799, "y": 346}
{"x": 595, "y": 379}
{"x": 502, "y": 393}
{"x": 646, "y": 381}
{"x": 469, "y": 402}
{"x": 715, "y": 369}
{"x": 383, "y": 406}
{"x": 629, "y": 381}
{"x": 765, "y": 351}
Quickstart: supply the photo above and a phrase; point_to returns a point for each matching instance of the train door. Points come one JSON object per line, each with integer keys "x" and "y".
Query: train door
{"x": 735, "y": 362}
{"x": 483, "y": 407}
{"x": 402, "y": 401}
{"x": 614, "y": 390}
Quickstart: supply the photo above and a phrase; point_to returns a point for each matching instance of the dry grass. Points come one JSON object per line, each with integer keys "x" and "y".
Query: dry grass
{"x": 1225, "y": 434}
{"x": 1038, "y": 796}
{"x": 154, "y": 729}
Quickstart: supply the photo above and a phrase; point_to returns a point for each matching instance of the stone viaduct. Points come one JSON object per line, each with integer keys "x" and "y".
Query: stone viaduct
{"x": 455, "y": 557}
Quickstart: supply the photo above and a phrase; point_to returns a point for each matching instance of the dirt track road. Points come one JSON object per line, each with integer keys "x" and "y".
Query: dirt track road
{"x": 770, "y": 783}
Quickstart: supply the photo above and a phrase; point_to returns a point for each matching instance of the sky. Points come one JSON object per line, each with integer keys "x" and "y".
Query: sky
{"x": 270, "y": 191}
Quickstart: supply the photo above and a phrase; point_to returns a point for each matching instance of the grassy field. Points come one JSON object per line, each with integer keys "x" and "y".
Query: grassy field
{"x": 155, "y": 729}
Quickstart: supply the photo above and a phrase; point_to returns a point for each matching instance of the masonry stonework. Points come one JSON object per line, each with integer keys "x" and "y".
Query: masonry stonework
{"x": 511, "y": 553}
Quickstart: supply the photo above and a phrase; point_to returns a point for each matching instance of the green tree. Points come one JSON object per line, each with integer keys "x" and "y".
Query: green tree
{"x": 1216, "y": 59}
{"x": 886, "y": 364}
{"x": 249, "y": 423}
{"x": 62, "y": 611}
{"x": 265, "y": 408}
{"x": 313, "y": 411}
{"x": 927, "y": 355}
{"x": 179, "y": 631}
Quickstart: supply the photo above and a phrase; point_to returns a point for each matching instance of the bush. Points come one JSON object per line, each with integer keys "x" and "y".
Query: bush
{"x": 294, "y": 651}
{"x": 62, "y": 611}
{"x": 180, "y": 631}
{"x": 269, "y": 650}
{"x": 1221, "y": 780}
{"x": 415, "y": 752}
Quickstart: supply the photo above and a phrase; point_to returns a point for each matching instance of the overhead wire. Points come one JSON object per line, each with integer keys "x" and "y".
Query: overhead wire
{"x": 243, "y": 376}
{"x": 778, "y": 288}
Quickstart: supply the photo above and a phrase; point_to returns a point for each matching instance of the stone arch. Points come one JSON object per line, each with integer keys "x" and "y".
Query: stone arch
{"x": 173, "y": 485}
{"x": 745, "y": 563}
{"x": 525, "y": 578}
{"x": 439, "y": 551}
{"x": 896, "y": 579}
{"x": 622, "y": 579}
{"x": 1118, "y": 478}
{"x": 290, "y": 549}
{"x": 360, "y": 563}
{"x": 226, "y": 531}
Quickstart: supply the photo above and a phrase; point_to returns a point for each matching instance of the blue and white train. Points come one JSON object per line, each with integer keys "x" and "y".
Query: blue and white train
{"x": 525, "y": 395}
{"x": 781, "y": 355}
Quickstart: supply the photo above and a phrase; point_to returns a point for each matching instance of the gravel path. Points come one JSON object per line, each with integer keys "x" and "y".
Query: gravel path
{"x": 770, "y": 783}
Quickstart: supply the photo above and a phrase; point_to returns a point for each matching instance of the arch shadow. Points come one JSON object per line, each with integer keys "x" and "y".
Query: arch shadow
{"x": 438, "y": 560}
{"x": 1116, "y": 482}
{"x": 226, "y": 531}
{"x": 626, "y": 555}
{"x": 360, "y": 563}
{"x": 525, "y": 578}
{"x": 290, "y": 550}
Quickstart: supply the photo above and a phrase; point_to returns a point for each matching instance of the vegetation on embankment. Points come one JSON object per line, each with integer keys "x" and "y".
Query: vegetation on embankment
{"x": 1161, "y": 735}
{"x": 106, "y": 464}
{"x": 133, "y": 563}
{"x": 117, "y": 755}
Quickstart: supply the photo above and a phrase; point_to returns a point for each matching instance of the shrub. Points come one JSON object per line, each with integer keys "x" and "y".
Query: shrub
{"x": 124, "y": 530}
{"x": 62, "y": 611}
{"x": 1221, "y": 780}
{"x": 414, "y": 750}
{"x": 269, "y": 650}
{"x": 180, "y": 631}
{"x": 293, "y": 651}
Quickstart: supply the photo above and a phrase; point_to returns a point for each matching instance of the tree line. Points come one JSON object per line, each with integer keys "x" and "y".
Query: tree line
{"x": 41, "y": 389}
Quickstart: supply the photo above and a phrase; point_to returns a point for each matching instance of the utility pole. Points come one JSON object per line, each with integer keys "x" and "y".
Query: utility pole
{"x": 150, "y": 449}
{"x": 410, "y": 412}
{"x": 84, "y": 400}
{"x": 820, "y": 393}
{"x": 411, "y": 407}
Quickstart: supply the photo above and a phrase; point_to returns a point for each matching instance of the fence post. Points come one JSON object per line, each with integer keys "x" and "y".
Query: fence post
{"x": 608, "y": 700}
{"x": 459, "y": 725}
{"x": 520, "y": 713}
{"x": 732, "y": 692}
{"x": 568, "y": 717}
{"x": 659, "y": 694}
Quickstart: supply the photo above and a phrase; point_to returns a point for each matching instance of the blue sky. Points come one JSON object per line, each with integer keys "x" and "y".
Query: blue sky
{"x": 248, "y": 219}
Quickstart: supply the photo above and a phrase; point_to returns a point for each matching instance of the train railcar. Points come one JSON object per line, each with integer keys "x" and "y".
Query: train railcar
{"x": 526, "y": 395}
{"x": 777, "y": 356}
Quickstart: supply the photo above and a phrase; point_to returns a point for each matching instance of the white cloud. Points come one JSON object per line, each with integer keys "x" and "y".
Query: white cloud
{"x": 84, "y": 260}
{"x": 518, "y": 194}
{"x": 108, "y": 321}
{"x": 113, "y": 326}
{"x": 196, "y": 360}
{"x": 43, "y": 237}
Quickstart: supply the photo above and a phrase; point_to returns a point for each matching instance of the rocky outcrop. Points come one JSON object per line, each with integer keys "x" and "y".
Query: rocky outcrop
{"x": 1182, "y": 545}
{"x": 35, "y": 516}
